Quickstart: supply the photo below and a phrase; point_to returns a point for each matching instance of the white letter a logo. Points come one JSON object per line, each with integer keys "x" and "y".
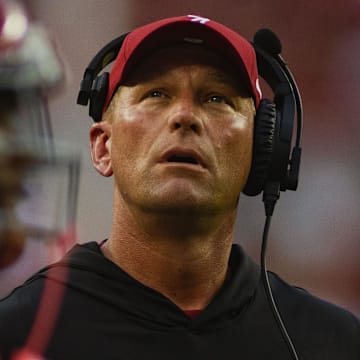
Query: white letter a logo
{"x": 195, "y": 18}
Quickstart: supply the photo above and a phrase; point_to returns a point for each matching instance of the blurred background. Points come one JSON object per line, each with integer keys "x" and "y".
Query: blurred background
{"x": 314, "y": 238}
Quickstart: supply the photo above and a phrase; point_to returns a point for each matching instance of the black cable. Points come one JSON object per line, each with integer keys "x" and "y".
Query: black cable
{"x": 270, "y": 197}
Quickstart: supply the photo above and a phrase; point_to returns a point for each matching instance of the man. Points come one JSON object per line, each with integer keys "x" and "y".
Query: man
{"x": 176, "y": 135}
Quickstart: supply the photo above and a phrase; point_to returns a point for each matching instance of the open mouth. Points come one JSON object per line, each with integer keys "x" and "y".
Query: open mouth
{"x": 183, "y": 159}
{"x": 183, "y": 156}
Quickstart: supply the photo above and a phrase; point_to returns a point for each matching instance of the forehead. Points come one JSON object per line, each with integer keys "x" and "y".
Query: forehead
{"x": 170, "y": 58}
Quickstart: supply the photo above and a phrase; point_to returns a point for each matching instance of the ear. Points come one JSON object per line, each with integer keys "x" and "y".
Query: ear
{"x": 100, "y": 145}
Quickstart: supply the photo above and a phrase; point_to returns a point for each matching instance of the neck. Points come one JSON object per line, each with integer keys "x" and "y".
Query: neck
{"x": 184, "y": 257}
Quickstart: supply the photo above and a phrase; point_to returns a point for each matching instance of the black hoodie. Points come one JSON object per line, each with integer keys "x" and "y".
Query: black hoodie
{"x": 91, "y": 309}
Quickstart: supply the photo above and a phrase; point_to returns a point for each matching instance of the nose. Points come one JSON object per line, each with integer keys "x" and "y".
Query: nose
{"x": 185, "y": 117}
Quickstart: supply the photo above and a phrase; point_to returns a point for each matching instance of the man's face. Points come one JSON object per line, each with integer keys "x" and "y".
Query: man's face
{"x": 181, "y": 130}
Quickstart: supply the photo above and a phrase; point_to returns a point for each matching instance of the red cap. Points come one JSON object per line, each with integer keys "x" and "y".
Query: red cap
{"x": 191, "y": 28}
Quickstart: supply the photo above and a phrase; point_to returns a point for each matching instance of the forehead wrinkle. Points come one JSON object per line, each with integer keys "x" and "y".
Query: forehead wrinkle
{"x": 208, "y": 72}
{"x": 220, "y": 76}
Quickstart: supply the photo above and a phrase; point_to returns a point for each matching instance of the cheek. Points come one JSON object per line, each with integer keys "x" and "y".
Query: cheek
{"x": 234, "y": 145}
{"x": 236, "y": 135}
{"x": 123, "y": 145}
{"x": 131, "y": 137}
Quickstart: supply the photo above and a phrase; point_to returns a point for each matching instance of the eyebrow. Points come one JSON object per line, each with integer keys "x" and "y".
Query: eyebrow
{"x": 238, "y": 81}
{"x": 220, "y": 76}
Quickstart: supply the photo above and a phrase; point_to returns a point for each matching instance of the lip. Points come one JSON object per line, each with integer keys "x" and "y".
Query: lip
{"x": 183, "y": 153}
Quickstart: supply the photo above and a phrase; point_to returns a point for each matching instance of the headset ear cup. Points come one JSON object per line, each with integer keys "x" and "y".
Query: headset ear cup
{"x": 264, "y": 131}
{"x": 98, "y": 95}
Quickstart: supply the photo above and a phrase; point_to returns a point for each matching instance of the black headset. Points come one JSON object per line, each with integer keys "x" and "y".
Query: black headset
{"x": 273, "y": 160}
